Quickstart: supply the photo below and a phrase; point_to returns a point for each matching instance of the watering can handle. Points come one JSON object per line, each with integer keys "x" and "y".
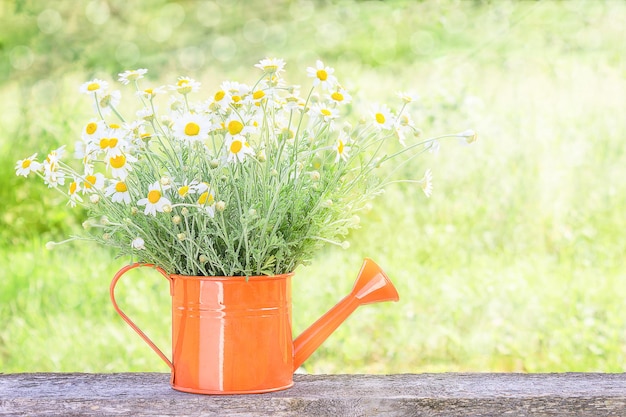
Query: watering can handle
{"x": 128, "y": 320}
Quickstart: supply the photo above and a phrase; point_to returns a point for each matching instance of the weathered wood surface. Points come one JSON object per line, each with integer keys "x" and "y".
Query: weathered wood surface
{"x": 147, "y": 394}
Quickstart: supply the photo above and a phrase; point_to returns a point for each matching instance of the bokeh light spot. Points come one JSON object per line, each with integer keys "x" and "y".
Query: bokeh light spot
{"x": 49, "y": 21}
{"x": 208, "y": 14}
{"x": 224, "y": 48}
{"x": 255, "y": 31}
{"x": 21, "y": 57}
{"x": 174, "y": 13}
{"x": 97, "y": 12}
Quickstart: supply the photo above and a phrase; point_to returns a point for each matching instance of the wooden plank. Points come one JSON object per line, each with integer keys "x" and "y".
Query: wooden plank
{"x": 450, "y": 394}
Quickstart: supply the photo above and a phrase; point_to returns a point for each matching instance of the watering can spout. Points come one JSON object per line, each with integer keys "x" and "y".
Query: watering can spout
{"x": 372, "y": 285}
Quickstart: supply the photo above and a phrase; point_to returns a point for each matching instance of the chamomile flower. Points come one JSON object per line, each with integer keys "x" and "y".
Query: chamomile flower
{"x": 187, "y": 188}
{"x": 155, "y": 202}
{"x": 131, "y": 75}
{"x": 271, "y": 65}
{"x": 403, "y": 128}
{"x": 191, "y": 127}
{"x": 118, "y": 191}
{"x": 341, "y": 147}
{"x": 407, "y": 97}
{"x": 323, "y": 112}
{"x": 73, "y": 190}
{"x": 93, "y": 130}
{"x": 427, "y": 183}
{"x": 207, "y": 202}
{"x": 221, "y": 99}
{"x": 186, "y": 85}
{"x": 92, "y": 183}
{"x": 382, "y": 117}
{"x": 108, "y": 101}
{"x": 237, "y": 149}
{"x": 468, "y": 136}
{"x": 24, "y": 167}
{"x": 150, "y": 93}
{"x": 94, "y": 86}
{"x": 322, "y": 75}
{"x": 340, "y": 96}
{"x": 120, "y": 165}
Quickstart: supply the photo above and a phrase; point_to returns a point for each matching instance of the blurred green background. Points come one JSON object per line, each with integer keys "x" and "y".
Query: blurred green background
{"x": 514, "y": 264}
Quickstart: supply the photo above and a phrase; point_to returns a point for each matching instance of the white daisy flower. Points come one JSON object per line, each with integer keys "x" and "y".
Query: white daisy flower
{"x": 26, "y": 166}
{"x": 155, "y": 200}
{"x": 207, "y": 202}
{"x": 237, "y": 149}
{"x": 120, "y": 165}
{"x": 341, "y": 147}
{"x": 382, "y": 116}
{"x": 427, "y": 183}
{"x": 320, "y": 111}
{"x": 118, "y": 191}
{"x": 73, "y": 191}
{"x": 93, "y": 182}
{"x": 131, "y": 75}
{"x": 191, "y": 127}
{"x": 407, "y": 97}
{"x": 94, "y": 86}
{"x": 93, "y": 131}
{"x": 340, "y": 96}
{"x": 186, "y": 85}
{"x": 322, "y": 75}
{"x": 150, "y": 93}
{"x": 187, "y": 188}
{"x": 107, "y": 101}
{"x": 271, "y": 65}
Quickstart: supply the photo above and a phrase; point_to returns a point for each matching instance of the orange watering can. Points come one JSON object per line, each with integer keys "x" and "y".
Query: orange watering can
{"x": 232, "y": 335}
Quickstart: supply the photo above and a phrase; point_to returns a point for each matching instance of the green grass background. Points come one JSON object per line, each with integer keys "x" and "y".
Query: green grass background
{"x": 514, "y": 264}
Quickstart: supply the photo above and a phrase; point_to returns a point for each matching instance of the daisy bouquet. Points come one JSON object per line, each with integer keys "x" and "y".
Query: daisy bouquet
{"x": 249, "y": 182}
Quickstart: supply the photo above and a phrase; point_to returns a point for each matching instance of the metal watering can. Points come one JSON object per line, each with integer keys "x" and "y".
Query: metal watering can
{"x": 232, "y": 335}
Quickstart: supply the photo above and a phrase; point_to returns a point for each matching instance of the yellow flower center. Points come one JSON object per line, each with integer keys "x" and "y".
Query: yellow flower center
{"x": 340, "y": 147}
{"x": 258, "y": 94}
{"x": 113, "y": 142}
{"x": 93, "y": 87}
{"x": 236, "y": 99}
{"x": 219, "y": 95}
{"x": 73, "y": 187}
{"x": 380, "y": 118}
{"x": 154, "y": 196}
{"x": 118, "y": 161}
{"x": 104, "y": 143}
{"x": 114, "y": 126}
{"x": 322, "y": 75}
{"x": 148, "y": 91}
{"x": 326, "y": 112}
{"x": 90, "y": 181}
{"x": 235, "y": 127}
{"x": 206, "y": 198}
{"x": 192, "y": 129}
{"x": 91, "y": 128}
{"x": 236, "y": 146}
{"x": 121, "y": 187}
{"x": 182, "y": 191}
{"x": 337, "y": 96}
{"x": 182, "y": 83}
{"x": 26, "y": 163}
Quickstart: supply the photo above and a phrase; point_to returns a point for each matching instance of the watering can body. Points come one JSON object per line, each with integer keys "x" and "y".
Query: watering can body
{"x": 232, "y": 335}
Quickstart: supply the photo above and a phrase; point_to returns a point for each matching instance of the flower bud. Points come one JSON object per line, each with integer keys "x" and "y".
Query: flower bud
{"x": 176, "y": 219}
{"x": 214, "y": 163}
{"x": 220, "y": 206}
{"x": 315, "y": 175}
{"x": 50, "y": 245}
{"x": 94, "y": 198}
{"x": 167, "y": 208}
{"x": 345, "y": 244}
{"x": 252, "y": 212}
{"x": 203, "y": 259}
{"x": 181, "y": 236}
{"x": 134, "y": 210}
{"x": 165, "y": 181}
{"x": 185, "y": 211}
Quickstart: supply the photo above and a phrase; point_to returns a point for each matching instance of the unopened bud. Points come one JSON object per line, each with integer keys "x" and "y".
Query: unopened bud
{"x": 94, "y": 198}
{"x": 50, "y": 245}
{"x": 220, "y": 206}
{"x": 167, "y": 208}
{"x": 181, "y": 236}
{"x": 176, "y": 219}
